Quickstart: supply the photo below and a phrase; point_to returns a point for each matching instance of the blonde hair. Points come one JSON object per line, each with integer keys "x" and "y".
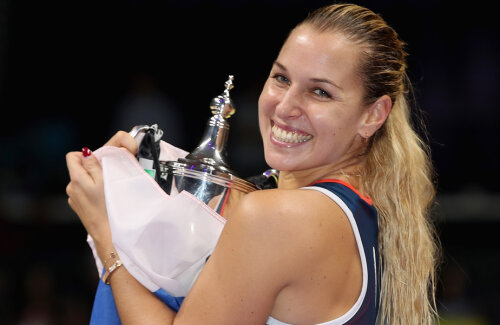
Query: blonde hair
{"x": 398, "y": 174}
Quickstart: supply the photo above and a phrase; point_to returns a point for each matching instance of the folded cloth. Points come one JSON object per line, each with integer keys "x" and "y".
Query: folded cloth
{"x": 162, "y": 240}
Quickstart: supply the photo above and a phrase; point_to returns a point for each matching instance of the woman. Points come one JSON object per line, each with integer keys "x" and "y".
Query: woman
{"x": 335, "y": 122}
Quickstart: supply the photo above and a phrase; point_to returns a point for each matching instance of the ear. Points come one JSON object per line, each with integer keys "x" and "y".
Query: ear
{"x": 375, "y": 116}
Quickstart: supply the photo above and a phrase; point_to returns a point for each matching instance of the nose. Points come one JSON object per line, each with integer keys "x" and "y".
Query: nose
{"x": 290, "y": 104}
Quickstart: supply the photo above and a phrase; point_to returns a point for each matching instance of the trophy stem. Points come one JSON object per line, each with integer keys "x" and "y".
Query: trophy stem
{"x": 212, "y": 148}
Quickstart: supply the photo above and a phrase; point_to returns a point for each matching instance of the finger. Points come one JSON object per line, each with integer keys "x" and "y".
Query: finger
{"x": 93, "y": 168}
{"x": 70, "y": 203}
{"x": 125, "y": 140}
{"x": 75, "y": 166}
{"x": 69, "y": 189}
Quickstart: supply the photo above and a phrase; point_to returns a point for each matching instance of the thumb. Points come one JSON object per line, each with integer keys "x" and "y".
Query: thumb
{"x": 92, "y": 165}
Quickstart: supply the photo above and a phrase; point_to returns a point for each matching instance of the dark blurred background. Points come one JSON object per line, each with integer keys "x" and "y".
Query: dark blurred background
{"x": 72, "y": 73}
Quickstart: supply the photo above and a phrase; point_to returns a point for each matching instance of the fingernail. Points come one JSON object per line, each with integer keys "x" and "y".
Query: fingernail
{"x": 86, "y": 152}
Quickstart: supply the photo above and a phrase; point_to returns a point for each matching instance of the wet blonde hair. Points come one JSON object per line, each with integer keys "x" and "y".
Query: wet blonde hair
{"x": 398, "y": 174}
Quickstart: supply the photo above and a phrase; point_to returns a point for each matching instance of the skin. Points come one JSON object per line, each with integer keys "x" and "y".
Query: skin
{"x": 286, "y": 252}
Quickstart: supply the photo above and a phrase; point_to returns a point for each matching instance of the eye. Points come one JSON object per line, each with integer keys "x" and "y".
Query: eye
{"x": 281, "y": 79}
{"x": 321, "y": 93}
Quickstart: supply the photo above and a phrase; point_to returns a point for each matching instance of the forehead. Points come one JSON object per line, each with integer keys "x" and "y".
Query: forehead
{"x": 321, "y": 54}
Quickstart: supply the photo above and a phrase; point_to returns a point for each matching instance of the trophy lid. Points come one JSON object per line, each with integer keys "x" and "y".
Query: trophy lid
{"x": 211, "y": 152}
{"x": 208, "y": 160}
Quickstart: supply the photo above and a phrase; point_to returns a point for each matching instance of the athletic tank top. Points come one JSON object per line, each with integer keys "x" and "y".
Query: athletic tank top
{"x": 363, "y": 219}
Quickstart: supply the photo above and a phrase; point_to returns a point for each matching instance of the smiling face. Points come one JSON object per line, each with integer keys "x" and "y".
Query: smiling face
{"x": 310, "y": 110}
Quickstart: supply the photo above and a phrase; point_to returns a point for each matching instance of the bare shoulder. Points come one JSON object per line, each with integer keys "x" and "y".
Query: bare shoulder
{"x": 303, "y": 220}
{"x": 309, "y": 241}
{"x": 298, "y": 205}
{"x": 271, "y": 242}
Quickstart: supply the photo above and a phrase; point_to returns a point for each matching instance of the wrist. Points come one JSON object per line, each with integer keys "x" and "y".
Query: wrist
{"x": 105, "y": 249}
{"x": 100, "y": 233}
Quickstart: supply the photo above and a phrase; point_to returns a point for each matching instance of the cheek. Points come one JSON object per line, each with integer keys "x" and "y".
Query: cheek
{"x": 263, "y": 109}
{"x": 266, "y": 103}
{"x": 335, "y": 123}
{"x": 325, "y": 122}
{"x": 331, "y": 133}
{"x": 261, "y": 103}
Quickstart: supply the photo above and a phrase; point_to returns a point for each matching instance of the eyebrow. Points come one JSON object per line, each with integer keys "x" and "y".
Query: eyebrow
{"x": 320, "y": 80}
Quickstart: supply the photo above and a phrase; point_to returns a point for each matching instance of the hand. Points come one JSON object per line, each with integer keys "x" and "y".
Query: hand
{"x": 86, "y": 195}
{"x": 125, "y": 140}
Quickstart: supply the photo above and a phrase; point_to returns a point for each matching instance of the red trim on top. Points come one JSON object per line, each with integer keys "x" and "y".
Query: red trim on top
{"x": 365, "y": 198}
{"x": 225, "y": 201}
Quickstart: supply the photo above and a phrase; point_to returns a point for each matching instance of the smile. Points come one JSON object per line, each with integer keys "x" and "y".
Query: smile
{"x": 289, "y": 136}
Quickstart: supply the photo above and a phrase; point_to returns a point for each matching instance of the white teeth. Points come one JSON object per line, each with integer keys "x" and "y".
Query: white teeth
{"x": 289, "y": 137}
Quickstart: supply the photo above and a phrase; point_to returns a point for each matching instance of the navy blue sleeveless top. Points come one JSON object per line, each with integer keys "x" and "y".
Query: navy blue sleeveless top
{"x": 363, "y": 219}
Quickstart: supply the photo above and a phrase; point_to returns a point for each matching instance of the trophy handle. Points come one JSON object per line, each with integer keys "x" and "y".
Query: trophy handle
{"x": 137, "y": 129}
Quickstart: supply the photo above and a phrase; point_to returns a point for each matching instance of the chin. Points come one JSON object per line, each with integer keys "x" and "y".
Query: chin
{"x": 281, "y": 163}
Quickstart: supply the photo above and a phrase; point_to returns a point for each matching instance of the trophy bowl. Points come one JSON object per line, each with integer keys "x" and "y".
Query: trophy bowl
{"x": 219, "y": 190}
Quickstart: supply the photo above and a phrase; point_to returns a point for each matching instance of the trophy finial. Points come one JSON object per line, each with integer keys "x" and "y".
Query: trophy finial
{"x": 229, "y": 85}
{"x": 222, "y": 105}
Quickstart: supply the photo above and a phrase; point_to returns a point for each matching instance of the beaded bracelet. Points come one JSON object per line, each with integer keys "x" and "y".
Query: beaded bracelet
{"x": 110, "y": 270}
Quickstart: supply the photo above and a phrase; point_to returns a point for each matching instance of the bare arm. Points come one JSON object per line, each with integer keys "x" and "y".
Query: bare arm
{"x": 236, "y": 286}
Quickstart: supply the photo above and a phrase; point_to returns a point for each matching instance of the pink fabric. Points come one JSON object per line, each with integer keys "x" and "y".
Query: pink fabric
{"x": 162, "y": 240}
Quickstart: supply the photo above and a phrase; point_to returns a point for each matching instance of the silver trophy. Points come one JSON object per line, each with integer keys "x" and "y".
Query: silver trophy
{"x": 205, "y": 172}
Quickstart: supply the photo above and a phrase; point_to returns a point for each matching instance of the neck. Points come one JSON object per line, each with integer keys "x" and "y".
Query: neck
{"x": 348, "y": 171}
